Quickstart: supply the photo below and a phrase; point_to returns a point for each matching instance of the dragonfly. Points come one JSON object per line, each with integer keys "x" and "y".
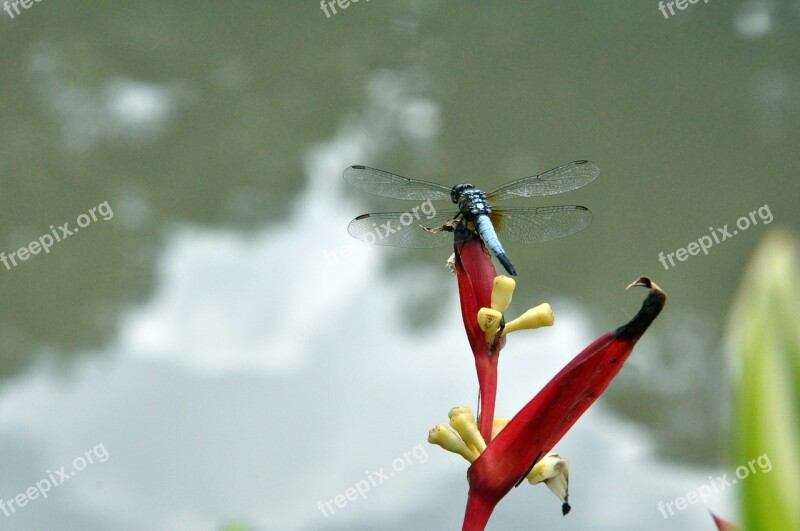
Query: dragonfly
{"x": 475, "y": 209}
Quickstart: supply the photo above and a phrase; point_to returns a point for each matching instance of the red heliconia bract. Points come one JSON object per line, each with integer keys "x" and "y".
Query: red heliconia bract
{"x": 475, "y": 274}
{"x": 549, "y": 415}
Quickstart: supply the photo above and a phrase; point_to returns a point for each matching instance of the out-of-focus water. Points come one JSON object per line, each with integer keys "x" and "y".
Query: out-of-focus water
{"x": 205, "y": 320}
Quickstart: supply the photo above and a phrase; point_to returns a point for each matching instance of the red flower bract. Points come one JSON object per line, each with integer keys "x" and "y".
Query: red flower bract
{"x": 723, "y": 525}
{"x": 475, "y": 274}
{"x": 548, "y": 416}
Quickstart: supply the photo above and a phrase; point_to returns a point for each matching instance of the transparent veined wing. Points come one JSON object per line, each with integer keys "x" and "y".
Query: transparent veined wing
{"x": 562, "y": 179}
{"x": 539, "y": 224}
{"x": 401, "y": 229}
{"x": 385, "y": 184}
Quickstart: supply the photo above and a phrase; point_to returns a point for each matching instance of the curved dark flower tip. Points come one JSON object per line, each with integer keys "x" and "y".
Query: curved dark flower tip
{"x": 650, "y": 309}
{"x": 519, "y": 447}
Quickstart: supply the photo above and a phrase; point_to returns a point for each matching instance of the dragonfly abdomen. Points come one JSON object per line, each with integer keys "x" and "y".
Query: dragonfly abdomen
{"x": 489, "y": 236}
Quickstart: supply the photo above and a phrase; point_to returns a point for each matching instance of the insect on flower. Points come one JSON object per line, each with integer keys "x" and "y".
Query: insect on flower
{"x": 475, "y": 209}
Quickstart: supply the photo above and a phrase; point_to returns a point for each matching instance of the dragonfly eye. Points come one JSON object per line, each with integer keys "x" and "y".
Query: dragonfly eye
{"x": 458, "y": 189}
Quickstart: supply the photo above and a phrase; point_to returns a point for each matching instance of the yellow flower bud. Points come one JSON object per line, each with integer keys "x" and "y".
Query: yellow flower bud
{"x": 542, "y": 315}
{"x": 498, "y": 424}
{"x": 554, "y": 471}
{"x": 462, "y": 420}
{"x": 489, "y": 321}
{"x": 443, "y": 436}
{"x": 458, "y": 411}
{"x": 502, "y": 291}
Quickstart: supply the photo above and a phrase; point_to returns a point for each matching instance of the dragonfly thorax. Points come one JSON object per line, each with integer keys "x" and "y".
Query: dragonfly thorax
{"x": 470, "y": 200}
{"x": 458, "y": 190}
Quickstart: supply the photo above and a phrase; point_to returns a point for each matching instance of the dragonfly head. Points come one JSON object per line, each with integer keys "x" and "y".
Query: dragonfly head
{"x": 455, "y": 194}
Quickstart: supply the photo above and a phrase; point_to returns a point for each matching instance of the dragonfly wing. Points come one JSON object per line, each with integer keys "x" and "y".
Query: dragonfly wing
{"x": 562, "y": 179}
{"x": 539, "y": 224}
{"x": 400, "y": 229}
{"x": 385, "y": 184}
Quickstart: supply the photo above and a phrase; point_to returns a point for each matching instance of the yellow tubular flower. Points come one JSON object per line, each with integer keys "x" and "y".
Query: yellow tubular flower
{"x": 489, "y": 321}
{"x": 502, "y": 291}
{"x": 443, "y": 436}
{"x": 462, "y": 420}
{"x": 542, "y": 315}
{"x": 554, "y": 471}
{"x": 498, "y": 424}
